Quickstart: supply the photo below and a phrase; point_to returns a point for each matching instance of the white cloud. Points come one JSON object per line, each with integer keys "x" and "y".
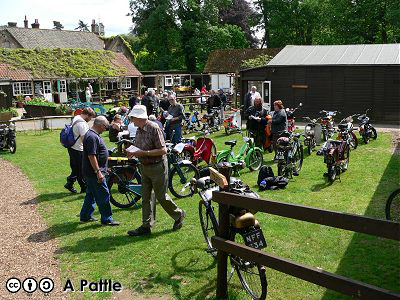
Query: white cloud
{"x": 112, "y": 13}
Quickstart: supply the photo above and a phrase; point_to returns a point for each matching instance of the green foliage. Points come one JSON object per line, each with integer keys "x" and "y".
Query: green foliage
{"x": 40, "y": 102}
{"x": 12, "y": 110}
{"x": 65, "y": 63}
{"x": 63, "y": 109}
{"x": 259, "y": 61}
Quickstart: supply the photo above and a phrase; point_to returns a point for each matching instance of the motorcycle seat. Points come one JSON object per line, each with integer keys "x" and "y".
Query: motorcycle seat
{"x": 231, "y": 143}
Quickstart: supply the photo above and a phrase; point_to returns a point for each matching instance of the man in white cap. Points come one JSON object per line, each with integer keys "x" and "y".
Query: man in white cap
{"x": 154, "y": 171}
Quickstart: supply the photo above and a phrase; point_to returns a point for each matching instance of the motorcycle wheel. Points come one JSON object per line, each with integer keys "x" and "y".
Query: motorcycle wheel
{"x": 12, "y": 146}
{"x": 373, "y": 134}
{"x": 255, "y": 160}
{"x": 332, "y": 173}
{"x": 365, "y": 138}
{"x": 227, "y": 131}
{"x": 324, "y": 135}
{"x": 298, "y": 159}
{"x": 354, "y": 141}
{"x": 281, "y": 167}
{"x": 198, "y": 126}
{"x": 309, "y": 149}
{"x": 346, "y": 158}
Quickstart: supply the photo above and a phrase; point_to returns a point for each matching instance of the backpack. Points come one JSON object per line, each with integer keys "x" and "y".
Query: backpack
{"x": 67, "y": 138}
{"x": 273, "y": 183}
{"x": 265, "y": 171}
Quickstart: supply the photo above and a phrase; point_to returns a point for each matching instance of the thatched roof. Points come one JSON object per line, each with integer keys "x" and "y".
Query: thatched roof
{"x": 230, "y": 60}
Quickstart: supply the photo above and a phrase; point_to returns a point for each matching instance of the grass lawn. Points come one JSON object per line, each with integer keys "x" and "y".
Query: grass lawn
{"x": 175, "y": 263}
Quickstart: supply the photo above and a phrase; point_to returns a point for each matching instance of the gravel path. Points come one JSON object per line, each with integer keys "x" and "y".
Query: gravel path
{"x": 26, "y": 248}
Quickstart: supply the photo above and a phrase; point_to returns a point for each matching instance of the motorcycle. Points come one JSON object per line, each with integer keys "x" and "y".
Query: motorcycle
{"x": 366, "y": 130}
{"x": 290, "y": 117}
{"x": 336, "y": 157}
{"x": 8, "y": 137}
{"x": 346, "y": 131}
{"x": 327, "y": 123}
{"x": 309, "y": 134}
{"x": 203, "y": 149}
{"x": 232, "y": 123}
{"x": 212, "y": 121}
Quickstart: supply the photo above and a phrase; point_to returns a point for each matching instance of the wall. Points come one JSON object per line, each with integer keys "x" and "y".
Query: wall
{"x": 6, "y": 41}
{"x": 219, "y": 81}
{"x": 349, "y": 89}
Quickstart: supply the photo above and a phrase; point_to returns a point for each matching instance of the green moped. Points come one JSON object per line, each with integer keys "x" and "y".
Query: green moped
{"x": 249, "y": 155}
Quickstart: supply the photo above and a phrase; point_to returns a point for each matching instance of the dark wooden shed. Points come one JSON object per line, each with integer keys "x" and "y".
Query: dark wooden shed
{"x": 348, "y": 78}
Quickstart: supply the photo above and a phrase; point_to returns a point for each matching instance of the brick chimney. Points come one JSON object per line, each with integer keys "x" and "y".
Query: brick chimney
{"x": 26, "y": 23}
{"x": 95, "y": 27}
{"x": 12, "y": 24}
{"x": 36, "y": 24}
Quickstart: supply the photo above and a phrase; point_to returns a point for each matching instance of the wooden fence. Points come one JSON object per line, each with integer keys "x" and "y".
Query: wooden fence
{"x": 380, "y": 228}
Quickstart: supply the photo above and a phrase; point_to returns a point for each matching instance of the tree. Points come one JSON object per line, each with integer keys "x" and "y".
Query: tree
{"x": 241, "y": 14}
{"x": 82, "y": 26}
{"x": 57, "y": 25}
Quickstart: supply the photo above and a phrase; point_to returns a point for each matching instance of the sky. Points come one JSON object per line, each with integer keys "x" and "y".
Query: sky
{"x": 112, "y": 13}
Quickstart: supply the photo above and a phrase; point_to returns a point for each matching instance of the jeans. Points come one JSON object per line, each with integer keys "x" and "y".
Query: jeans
{"x": 96, "y": 193}
{"x": 75, "y": 162}
{"x": 177, "y": 136}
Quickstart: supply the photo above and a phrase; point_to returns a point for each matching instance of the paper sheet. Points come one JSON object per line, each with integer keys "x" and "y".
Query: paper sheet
{"x": 132, "y": 149}
{"x": 169, "y": 117}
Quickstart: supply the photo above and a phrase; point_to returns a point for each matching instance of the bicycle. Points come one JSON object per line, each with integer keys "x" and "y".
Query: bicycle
{"x": 243, "y": 224}
{"x": 392, "y": 209}
{"x": 181, "y": 171}
{"x": 249, "y": 155}
{"x": 289, "y": 154}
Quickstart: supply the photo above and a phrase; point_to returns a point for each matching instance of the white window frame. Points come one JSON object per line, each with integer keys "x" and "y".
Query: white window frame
{"x": 47, "y": 87}
{"x": 168, "y": 80}
{"x": 126, "y": 83}
{"x": 177, "y": 80}
{"x": 63, "y": 86}
{"x": 22, "y": 88}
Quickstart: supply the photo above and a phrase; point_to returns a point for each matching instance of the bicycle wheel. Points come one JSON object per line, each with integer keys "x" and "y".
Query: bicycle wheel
{"x": 332, "y": 173}
{"x": 298, "y": 159}
{"x": 255, "y": 160}
{"x": 179, "y": 182}
{"x": 209, "y": 225}
{"x": 120, "y": 195}
{"x": 392, "y": 208}
{"x": 251, "y": 275}
{"x": 346, "y": 158}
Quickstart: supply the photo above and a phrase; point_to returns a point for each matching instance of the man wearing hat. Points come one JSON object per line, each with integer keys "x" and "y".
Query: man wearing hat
{"x": 154, "y": 171}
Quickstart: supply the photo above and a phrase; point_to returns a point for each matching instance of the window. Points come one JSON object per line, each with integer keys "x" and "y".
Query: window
{"x": 63, "y": 86}
{"x": 112, "y": 85}
{"x": 126, "y": 83}
{"x": 22, "y": 88}
{"x": 168, "y": 80}
{"x": 178, "y": 80}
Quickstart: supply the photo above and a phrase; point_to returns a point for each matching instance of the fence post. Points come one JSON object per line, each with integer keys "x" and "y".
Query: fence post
{"x": 222, "y": 257}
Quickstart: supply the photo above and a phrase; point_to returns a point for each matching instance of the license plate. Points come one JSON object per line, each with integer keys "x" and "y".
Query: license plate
{"x": 280, "y": 156}
{"x": 255, "y": 239}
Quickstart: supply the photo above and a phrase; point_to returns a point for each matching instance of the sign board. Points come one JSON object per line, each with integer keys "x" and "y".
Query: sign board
{"x": 218, "y": 178}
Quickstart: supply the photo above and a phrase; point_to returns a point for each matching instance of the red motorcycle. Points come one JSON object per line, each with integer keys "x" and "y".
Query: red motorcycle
{"x": 201, "y": 150}
{"x": 232, "y": 123}
{"x": 290, "y": 117}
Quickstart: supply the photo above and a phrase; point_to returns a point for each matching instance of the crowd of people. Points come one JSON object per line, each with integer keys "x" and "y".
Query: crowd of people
{"x": 152, "y": 120}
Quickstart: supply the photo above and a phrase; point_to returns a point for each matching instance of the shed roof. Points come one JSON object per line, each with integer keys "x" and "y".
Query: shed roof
{"x": 371, "y": 54}
{"x": 230, "y": 60}
{"x": 53, "y": 38}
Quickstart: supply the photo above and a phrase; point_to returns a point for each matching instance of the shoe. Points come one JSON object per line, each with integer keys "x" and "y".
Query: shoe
{"x": 141, "y": 231}
{"x": 110, "y": 223}
{"x": 92, "y": 219}
{"x": 179, "y": 223}
{"x": 70, "y": 188}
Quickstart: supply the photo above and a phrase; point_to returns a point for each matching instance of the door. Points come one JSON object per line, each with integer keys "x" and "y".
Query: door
{"x": 47, "y": 91}
{"x": 266, "y": 95}
{"x": 62, "y": 91}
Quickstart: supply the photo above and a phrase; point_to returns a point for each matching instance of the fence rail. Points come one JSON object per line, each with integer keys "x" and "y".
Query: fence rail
{"x": 380, "y": 228}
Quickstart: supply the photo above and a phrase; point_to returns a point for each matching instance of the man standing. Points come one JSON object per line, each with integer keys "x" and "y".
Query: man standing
{"x": 256, "y": 121}
{"x": 175, "y": 111}
{"x": 250, "y": 97}
{"x": 79, "y": 128}
{"x": 94, "y": 167}
{"x": 154, "y": 170}
{"x": 222, "y": 97}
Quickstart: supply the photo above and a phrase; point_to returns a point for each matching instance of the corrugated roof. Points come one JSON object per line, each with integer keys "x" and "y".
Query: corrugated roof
{"x": 52, "y": 38}
{"x": 230, "y": 60}
{"x": 371, "y": 54}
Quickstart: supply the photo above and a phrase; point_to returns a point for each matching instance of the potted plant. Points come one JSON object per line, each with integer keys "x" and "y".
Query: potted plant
{"x": 39, "y": 107}
{"x": 7, "y": 113}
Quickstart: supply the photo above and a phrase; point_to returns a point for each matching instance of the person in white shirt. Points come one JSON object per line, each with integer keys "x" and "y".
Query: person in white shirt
{"x": 250, "y": 97}
{"x": 88, "y": 94}
{"x": 79, "y": 127}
